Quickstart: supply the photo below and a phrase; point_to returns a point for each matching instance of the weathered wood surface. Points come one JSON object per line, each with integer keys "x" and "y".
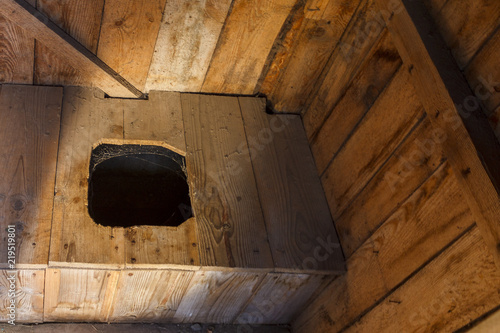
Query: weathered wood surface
{"x": 29, "y": 127}
{"x": 299, "y": 226}
{"x": 128, "y": 35}
{"x": 186, "y": 42}
{"x": 73, "y": 295}
{"x": 471, "y": 146}
{"x": 487, "y": 325}
{"x": 230, "y": 224}
{"x": 29, "y": 295}
{"x": 456, "y": 288}
{"x": 81, "y": 20}
{"x": 373, "y": 142}
{"x": 376, "y": 72}
{"x": 245, "y": 42}
{"x": 149, "y": 295}
{"x": 316, "y": 39}
{"x": 53, "y": 37}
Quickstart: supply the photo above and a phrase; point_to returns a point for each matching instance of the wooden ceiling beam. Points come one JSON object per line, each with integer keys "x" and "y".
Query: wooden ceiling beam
{"x": 467, "y": 138}
{"x": 49, "y": 34}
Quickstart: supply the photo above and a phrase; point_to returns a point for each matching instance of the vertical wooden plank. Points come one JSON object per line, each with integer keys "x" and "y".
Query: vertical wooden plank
{"x": 29, "y": 295}
{"x": 216, "y": 296}
{"x": 79, "y": 294}
{"x": 315, "y": 42}
{"x": 230, "y": 225}
{"x": 280, "y": 297}
{"x": 86, "y": 119}
{"x": 29, "y": 123}
{"x": 186, "y": 42}
{"x": 300, "y": 229}
{"x": 128, "y": 36}
{"x": 80, "y": 19}
{"x": 152, "y": 296}
{"x": 245, "y": 42}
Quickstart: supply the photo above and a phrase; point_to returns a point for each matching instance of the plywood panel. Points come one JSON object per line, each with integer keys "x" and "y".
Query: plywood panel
{"x": 85, "y": 121}
{"x": 457, "y": 287}
{"x": 315, "y": 42}
{"x": 80, "y": 19}
{"x": 152, "y": 296}
{"x": 29, "y": 123}
{"x": 79, "y": 294}
{"x": 299, "y": 225}
{"x": 245, "y": 42}
{"x": 29, "y": 295}
{"x": 128, "y": 36}
{"x": 280, "y": 296}
{"x": 376, "y": 72}
{"x": 216, "y": 296}
{"x": 230, "y": 225}
{"x": 186, "y": 42}
{"x": 391, "y": 118}
{"x": 358, "y": 39}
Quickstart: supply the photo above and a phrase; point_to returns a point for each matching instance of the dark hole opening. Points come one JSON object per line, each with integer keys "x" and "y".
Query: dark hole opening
{"x": 131, "y": 185}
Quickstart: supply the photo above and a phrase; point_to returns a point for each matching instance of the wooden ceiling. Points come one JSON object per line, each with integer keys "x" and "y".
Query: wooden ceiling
{"x": 278, "y": 48}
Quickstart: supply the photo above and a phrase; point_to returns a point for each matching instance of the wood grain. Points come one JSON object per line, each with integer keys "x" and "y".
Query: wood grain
{"x": 390, "y": 119}
{"x": 230, "y": 224}
{"x": 358, "y": 39}
{"x": 149, "y": 296}
{"x": 186, "y": 42}
{"x": 29, "y": 123}
{"x": 80, "y": 19}
{"x": 376, "y": 72}
{"x": 29, "y": 295}
{"x": 216, "y": 296}
{"x": 314, "y": 44}
{"x": 79, "y": 294}
{"x": 128, "y": 35}
{"x": 300, "y": 229}
{"x": 85, "y": 121}
{"x": 245, "y": 42}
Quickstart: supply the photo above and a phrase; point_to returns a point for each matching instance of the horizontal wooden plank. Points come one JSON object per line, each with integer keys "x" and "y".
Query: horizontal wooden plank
{"x": 29, "y": 126}
{"x": 299, "y": 226}
{"x": 456, "y": 288}
{"x": 186, "y": 42}
{"x": 245, "y": 41}
{"x": 53, "y": 37}
{"x": 364, "y": 89}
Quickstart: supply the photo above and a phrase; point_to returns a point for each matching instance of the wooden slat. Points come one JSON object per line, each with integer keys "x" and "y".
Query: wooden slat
{"x": 456, "y": 288}
{"x": 151, "y": 296}
{"x": 427, "y": 222}
{"x": 53, "y": 37}
{"x": 295, "y": 209}
{"x": 471, "y": 147}
{"x": 358, "y": 39}
{"x": 216, "y": 296}
{"x": 85, "y": 121}
{"x": 281, "y": 296}
{"x": 377, "y": 70}
{"x": 488, "y": 325}
{"x": 186, "y": 42}
{"x": 244, "y": 44}
{"x": 314, "y": 44}
{"x": 411, "y": 165}
{"x": 81, "y": 20}
{"x": 29, "y": 123}
{"x": 230, "y": 225}
{"x": 79, "y": 294}
{"x": 128, "y": 35}
{"x": 29, "y": 295}
{"x": 465, "y": 26}
{"x": 373, "y": 142}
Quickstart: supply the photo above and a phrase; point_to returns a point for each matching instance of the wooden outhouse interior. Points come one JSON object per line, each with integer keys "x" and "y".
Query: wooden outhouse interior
{"x": 250, "y": 166}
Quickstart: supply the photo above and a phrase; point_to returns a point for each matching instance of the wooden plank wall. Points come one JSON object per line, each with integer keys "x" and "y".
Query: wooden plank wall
{"x": 415, "y": 258}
